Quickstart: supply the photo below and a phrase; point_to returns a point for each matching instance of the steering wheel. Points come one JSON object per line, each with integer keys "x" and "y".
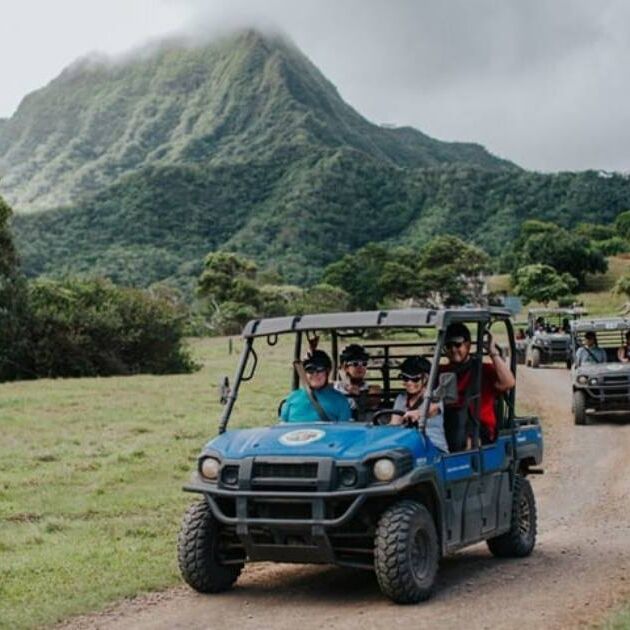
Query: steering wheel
{"x": 382, "y": 413}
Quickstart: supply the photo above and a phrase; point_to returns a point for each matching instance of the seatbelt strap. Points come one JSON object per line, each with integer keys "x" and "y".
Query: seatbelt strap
{"x": 299, "y": 368}
{"x": 592, "y": 355}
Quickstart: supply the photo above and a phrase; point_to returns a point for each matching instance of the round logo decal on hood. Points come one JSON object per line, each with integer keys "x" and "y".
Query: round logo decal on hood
{"x": 614, "y": 367}
{"x": 301, "y": 436}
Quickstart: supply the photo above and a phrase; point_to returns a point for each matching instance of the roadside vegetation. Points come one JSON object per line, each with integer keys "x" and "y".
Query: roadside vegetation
{"x": 84, "y": 327}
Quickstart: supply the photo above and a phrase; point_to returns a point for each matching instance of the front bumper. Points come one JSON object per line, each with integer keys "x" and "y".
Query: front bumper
{"x": 348, "y": 502}
{"x": 321, "y": 527}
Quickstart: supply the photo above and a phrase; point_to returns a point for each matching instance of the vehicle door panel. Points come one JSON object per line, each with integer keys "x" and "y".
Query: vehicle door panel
{"x": 495, "y": 486}
{"x": 463, "y": 499}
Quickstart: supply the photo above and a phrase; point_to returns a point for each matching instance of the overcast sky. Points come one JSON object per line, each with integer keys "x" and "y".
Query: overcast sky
{"x": 544, "y": 83}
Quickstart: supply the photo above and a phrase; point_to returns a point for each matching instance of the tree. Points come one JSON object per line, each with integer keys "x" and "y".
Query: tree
{"x": 323, "y": 298}
{"x": 452, "y": 272}
{"x": 595, "y": 231}
{"x": 86, "y": 327}
{"x": 622, "y": 286}
{"x": 622, "y": 224}
{"x": 228, "y": 284}
{"x": 358, "y": 274}
{"x": 542, "y": 283}
{"x": 556, "y": 247}
{"x": 227, "y": 276}
{"x": 13, "y": 308}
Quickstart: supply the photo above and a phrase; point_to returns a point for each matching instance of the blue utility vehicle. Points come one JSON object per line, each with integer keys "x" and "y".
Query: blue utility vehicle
{"x": 362, "y": 493}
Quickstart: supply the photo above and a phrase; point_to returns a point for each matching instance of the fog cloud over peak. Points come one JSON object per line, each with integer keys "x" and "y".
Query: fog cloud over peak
{"x": 543, "y": 83}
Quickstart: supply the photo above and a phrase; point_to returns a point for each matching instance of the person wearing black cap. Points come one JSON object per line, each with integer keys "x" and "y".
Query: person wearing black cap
{"x": 352, "y": 384}
{"x": 326, "y": 403}
{"x": 496, "y": 378}
{"x": 414, "y": 373}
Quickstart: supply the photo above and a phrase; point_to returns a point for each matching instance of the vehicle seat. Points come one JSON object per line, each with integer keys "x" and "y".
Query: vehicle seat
{"x": 611, "y": 355}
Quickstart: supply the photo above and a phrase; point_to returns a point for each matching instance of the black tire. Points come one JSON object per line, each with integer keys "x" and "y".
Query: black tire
{"x": 198, "y": 552}
{"x": 579, "y": 408}
{"x": 406, "y": 552}
{"x": 536, "y": 357}
{"x": 520, "y": 540}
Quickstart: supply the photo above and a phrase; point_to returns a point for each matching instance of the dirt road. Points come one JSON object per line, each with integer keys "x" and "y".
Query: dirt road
{"x": 579, "y": 570}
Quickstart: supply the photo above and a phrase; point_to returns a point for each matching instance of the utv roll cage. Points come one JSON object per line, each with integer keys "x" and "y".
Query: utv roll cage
{"x": 573, "y": 314}
{"x": 339, "y": 326}
{"x": 610, "y": 331}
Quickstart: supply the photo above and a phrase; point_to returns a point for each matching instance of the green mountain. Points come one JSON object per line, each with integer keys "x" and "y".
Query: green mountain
{"x": 244, "y": 145}
{"x": 240, "y": 99}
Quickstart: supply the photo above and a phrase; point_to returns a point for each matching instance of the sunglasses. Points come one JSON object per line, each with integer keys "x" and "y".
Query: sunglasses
{"x": 453, "y": 344}
{"x": 314, "y": 369}
{"x": 357, "y": 363}
{"x": 414, "y": 379}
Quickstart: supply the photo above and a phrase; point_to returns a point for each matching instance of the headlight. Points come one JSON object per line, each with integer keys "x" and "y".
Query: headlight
{"x": 582, "y": 379}
{"x": 210, "y": 468}
{"x": 347, "y": 476}
{"x": 592, "y": 381}
{"x": 384, "y": 469}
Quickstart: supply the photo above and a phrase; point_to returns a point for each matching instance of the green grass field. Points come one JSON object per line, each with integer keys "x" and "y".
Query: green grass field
{"x": 91, "y": 472}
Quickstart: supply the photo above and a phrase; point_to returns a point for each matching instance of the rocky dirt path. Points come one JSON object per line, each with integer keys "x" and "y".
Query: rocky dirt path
{"x": 579, "y": 570}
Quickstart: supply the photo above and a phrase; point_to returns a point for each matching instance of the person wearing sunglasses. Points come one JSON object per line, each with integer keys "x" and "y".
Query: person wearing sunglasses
{"x": 322, "y": 403}
{"x": 414, "y": 373}
{"x": 496, "y": 378}
{"x": 352, "y": 382}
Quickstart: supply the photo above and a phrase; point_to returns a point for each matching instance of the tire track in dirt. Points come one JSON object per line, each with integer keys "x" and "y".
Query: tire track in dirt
{"x": 580, "y": 568}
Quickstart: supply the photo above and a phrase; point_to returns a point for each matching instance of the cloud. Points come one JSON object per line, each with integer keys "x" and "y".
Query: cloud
{"x": 539, "y": 82}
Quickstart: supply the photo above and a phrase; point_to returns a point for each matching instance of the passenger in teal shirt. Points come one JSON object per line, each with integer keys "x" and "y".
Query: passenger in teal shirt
{"x": 298, "y": 407}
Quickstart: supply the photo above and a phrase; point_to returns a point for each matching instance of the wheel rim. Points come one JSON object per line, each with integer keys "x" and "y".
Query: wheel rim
{"x": 524, "y": 517}
{"x": 419, "y": 555}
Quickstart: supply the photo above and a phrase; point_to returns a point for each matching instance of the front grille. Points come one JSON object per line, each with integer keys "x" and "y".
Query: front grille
{"x": 617, "y": 379}
{"x": 266, "y": 470}
{"x": 558, "y": 346}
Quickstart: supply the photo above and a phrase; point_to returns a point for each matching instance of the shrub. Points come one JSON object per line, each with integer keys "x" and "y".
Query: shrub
{"x": 94, "y": 328}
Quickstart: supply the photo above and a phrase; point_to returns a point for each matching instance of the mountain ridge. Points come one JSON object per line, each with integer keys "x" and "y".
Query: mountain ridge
{"x": 245, "y": 145}
{"x": 99, "y": 119}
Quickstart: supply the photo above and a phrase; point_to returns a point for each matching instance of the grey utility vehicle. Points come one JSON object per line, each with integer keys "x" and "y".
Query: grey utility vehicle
{"x": 601, "y": 388}
{"x": 548, "y": 338}
{"x": 365, "y": 493}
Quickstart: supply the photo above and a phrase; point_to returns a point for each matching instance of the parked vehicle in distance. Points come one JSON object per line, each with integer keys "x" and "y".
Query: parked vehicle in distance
{"x": 548, "y": 335}
{"x": 600, "y": 388}
{"x": 361, "y": 494}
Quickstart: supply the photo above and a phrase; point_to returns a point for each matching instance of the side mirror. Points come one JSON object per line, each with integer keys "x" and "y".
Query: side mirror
{"x": 446, "y": 391}
{"x": 224, "y": 390}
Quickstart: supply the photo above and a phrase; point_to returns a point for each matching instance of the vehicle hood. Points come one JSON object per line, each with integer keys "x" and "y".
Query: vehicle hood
{"x": 346, "y": 440}
{"x": 552, "y": 337}
{"x": 596, "y": 369}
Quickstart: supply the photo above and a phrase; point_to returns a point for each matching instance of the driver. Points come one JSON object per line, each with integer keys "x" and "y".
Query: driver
{"x": 590, "y": 352}
{"x": 414, "y": 373}
{"x": 333, "y": 405}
